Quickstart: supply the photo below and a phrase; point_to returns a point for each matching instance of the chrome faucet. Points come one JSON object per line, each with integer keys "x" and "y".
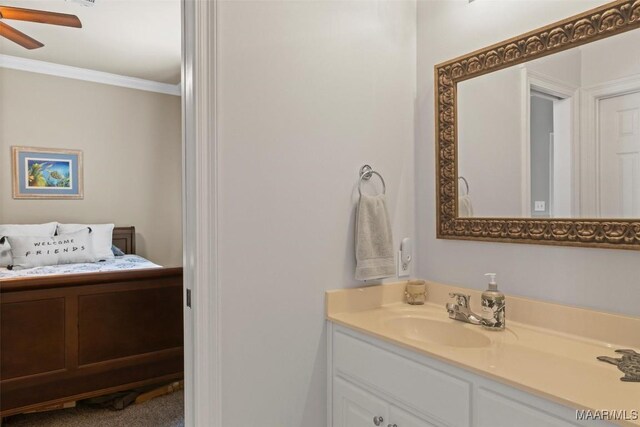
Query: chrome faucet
{"x": 461, "y": 311}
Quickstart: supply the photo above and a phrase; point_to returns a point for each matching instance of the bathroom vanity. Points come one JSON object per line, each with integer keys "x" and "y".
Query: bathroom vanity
{"x": 396, "y": 365}
{"x": 537, "y": 142}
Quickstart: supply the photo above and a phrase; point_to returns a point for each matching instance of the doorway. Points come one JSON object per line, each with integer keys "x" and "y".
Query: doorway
{"x": 125, "y": 117}
{"x": 550, "y": 172}
{"x": 550, "y": 145}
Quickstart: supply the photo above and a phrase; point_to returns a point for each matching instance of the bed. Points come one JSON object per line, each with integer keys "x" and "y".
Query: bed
{"x": 70, "y": 335}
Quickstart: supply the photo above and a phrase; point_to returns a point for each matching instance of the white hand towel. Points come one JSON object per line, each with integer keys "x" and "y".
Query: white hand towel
{"x": 465, "y": 208}
{"x": 374, "y": 241}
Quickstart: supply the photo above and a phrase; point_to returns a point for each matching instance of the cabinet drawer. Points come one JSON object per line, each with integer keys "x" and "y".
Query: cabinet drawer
{"x": 404, "y": 419}
{"x": 426, "y": 389}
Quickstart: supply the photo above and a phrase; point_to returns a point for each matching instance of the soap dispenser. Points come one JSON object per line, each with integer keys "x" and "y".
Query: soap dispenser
{"x": 493, "y": 305}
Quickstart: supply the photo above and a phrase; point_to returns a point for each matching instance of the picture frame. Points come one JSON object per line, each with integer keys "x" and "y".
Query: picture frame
{"x": 47, "y": 173}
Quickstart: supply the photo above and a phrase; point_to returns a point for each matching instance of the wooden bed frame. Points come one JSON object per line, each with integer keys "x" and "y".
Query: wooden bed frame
{"x": 72, "y": 337}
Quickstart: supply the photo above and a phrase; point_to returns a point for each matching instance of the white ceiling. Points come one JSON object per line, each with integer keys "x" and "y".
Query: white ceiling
{"x": 136, "y": 38}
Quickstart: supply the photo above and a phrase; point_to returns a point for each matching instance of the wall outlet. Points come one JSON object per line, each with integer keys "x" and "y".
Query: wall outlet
{"x": 540, "y": 206}
{"x": 403, "y": 267}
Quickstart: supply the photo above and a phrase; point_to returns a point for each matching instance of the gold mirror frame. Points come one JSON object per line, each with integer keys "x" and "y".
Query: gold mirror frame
{"x": 605, "y": 21}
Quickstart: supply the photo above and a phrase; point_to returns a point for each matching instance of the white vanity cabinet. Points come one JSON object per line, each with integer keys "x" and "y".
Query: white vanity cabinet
{"x": 375, "y": 383}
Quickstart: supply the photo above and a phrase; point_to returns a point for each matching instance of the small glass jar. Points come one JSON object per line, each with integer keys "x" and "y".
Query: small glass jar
{"x": 416, "y": 292}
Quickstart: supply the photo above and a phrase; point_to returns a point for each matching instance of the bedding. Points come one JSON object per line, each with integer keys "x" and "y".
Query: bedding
{"x": 121, "y": 263}
{"x": 48, "y": 229}
{"x": 101, "y": 235}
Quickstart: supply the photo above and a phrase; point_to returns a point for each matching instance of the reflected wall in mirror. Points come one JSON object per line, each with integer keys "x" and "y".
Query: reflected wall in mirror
{"x": 556, "y": 137}
{"x": 538, "y": 137}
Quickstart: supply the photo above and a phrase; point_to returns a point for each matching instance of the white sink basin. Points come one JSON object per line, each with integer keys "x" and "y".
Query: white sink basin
{"x": 443, "y": 332}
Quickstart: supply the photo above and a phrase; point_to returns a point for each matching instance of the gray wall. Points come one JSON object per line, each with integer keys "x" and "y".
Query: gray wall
{"x": 308, "y": 92}
{"x": 489, "y": 155}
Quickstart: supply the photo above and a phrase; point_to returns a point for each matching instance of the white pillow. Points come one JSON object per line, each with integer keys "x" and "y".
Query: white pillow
{"x": 48, "y": 229}
{"x": 29, "y": 252}
{"x": 101, "y": 235}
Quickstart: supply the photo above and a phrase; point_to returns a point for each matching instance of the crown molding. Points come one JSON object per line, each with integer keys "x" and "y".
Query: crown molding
{"x": 42, "y": 67}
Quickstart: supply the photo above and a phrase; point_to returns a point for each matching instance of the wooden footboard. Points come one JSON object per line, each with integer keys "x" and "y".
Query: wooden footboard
{"x": 71, "y": 337}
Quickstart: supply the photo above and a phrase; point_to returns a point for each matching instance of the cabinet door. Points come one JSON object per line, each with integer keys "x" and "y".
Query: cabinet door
{"x": 494, "y": 409}
{"x": 401, "y": 418}
{"x": 354, "y": 407}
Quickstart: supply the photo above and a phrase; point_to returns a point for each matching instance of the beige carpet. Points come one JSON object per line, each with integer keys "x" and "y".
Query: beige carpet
{"x": 163, "y": 411}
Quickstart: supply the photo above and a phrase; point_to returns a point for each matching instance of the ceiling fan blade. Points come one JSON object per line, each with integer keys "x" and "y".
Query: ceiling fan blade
{"x": 41, "y": 16}
{"x": 18, "y": 37}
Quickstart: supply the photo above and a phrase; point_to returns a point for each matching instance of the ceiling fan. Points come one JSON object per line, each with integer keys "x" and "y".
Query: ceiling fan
{"x": 32, "y": 15}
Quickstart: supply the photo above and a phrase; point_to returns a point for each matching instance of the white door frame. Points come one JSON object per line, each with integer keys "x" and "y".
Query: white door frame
{"x": 199, "y": 214}
{"x": 590, "y": 141}
{"x": 546, "y": 84}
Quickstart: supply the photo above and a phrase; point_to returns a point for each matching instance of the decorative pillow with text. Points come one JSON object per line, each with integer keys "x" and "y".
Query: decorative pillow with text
{"x": 29, "y": 252}
{"x": 48, "y": 229}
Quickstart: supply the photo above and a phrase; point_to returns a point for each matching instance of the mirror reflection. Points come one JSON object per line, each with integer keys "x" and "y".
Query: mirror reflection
{"x": 557, "y": 137}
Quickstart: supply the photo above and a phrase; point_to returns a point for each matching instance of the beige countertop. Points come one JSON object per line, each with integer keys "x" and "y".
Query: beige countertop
{"x": 558, "y": 364}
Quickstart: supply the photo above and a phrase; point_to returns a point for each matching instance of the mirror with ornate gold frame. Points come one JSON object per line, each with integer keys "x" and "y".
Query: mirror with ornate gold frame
{"x": 575, "y": 230}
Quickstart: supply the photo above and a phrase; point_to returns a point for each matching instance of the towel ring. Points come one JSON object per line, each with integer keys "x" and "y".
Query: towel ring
{"x": 366, "y": 172}
{"x": 466, "y": 183}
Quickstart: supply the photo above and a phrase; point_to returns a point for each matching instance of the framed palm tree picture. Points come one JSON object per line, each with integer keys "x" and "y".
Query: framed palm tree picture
{"x": 47, "y": 173}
